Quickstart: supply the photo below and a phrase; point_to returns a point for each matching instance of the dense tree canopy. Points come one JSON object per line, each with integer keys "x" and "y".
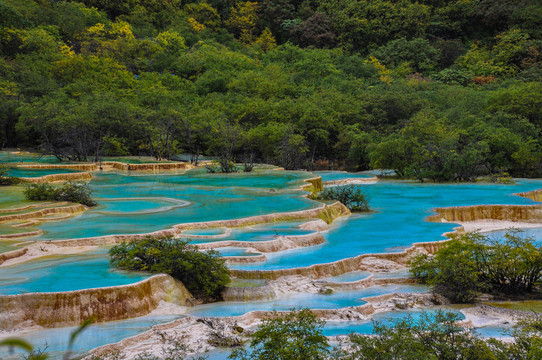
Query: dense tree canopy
{"x": 439, "y": 90}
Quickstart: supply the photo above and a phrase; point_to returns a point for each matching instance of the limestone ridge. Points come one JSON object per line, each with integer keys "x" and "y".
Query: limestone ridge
{"x": 56, "y": 309}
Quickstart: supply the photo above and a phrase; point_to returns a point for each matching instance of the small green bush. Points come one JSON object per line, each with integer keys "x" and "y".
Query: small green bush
{"x": 203, "y": 273}
{"x": 350, "y": 195}
{"x": 73, "y": 191}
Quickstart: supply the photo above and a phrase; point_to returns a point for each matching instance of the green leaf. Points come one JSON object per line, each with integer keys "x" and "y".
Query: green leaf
{"x": 19, "y": 343}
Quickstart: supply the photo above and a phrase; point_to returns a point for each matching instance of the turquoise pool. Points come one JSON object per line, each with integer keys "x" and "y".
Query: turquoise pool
{"x": 32, "y": 173}
{"x": 71, "y": 272}
{"x": 263, "y": 232}
{"x": 407, "y": 203}
{"x": 207, "y": 197}
{"x": 334, "y": 300}
{"x": 138, "y": 203}
{"x": 55, "y": 341}
{"x": 397, "y": 220}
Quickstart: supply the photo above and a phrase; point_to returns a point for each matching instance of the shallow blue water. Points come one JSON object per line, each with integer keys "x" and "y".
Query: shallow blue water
{"x": 105, "y": 333}
{"x": 7, "y": 157}
{"x": 73, "y": 272}
{"x": 211, "y": 231}
{"x": 406, "y": 203}
{"x": 493, "y": 331}
{"x": 314, "y": 301}
{"x": 535, "y": 233}
{"x": 56, "y": 340}
{"x": 348, "y": 277}
{"x": 343, "y": 328}
{"x": 21, "y": 172}
{"x": 397, "y": 220}
{"x": 211, "y": 197}
{"x": 263, "y": 232}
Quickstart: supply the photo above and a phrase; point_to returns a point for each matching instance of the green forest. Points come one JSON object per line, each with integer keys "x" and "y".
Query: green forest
{"x": 440, "y": 90}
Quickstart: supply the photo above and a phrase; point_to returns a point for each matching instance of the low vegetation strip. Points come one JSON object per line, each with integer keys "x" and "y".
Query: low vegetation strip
{"x": 77, "y": 192}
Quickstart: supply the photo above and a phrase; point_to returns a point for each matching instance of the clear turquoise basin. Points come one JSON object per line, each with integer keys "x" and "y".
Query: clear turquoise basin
{"x": 334, "y": 300}
{"x": 72, "y": 272}
{"x": 56, "y": 340}
{"x": 31, "y": 173}
{"x": 397, "y": 221}
{"x": 211, "y": 197}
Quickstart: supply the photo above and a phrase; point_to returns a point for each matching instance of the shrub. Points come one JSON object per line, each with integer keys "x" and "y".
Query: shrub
{"x": 222, "y": 165}
{"x": 437, "y": 336}
{"x": 351, "y": 196}
{"x": 453, "y": 76}
{"x": 431, "y": 337}
{"x": 472, "y": 263}
{"x": 5, "y": 178}
{"x": 296, "y": 335}
{"x": 40, "y": 192}
{"x": 502, "y": 178}
{"x": 203, "y": 273}
{"x": 73, "y": 191}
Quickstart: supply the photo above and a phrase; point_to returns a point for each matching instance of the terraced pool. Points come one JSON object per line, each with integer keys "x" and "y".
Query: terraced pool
{"x": 142, "y": 203}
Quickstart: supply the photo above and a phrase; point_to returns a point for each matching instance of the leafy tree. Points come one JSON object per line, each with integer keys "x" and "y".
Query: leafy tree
{"x": 316, "y": 31}
{"x": 453, "y": 271}
{"x": 296, "y": 335}
{"x": 291, "y": 151}
{"x": 453, "y": 76}
{"x": 522, "y": 100}
{"x": 266, "y": 40}
{"x": 242, "y": 20}
{"x": 438, "y": 336}
{"x": 432, "y": 336}
{"x": 527, "y": 342}
{"x": 393, "y": 153}
{"x": 362, "y": 24}
{"x": 472, "y": 263}
{"x": 275, "y": 13}
{"x": 418, "y": 53}
{"x": 73, "y": 18}
{"x": 203, "y": 273}
{"x": 204, "y": 14}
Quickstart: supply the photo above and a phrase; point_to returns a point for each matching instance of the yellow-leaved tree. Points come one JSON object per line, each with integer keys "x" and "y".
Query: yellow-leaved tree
{"x": 242, "y": 21}
{"x": 266, "y": 40}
